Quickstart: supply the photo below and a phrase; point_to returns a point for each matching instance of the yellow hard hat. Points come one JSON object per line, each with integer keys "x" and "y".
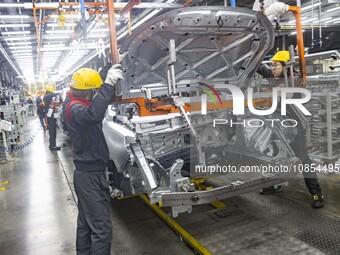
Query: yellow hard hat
{"x": 282, "y": 55}
{"x": 86, "y": 78}
{"x": 49, "y": 88}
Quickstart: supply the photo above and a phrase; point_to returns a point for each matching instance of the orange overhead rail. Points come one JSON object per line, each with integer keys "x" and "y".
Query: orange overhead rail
{"x": 92, "y": 4}
{"x": 36, "y": 24}
{"x": 128, "y": 7}
{"x": 186, "y": 3}
{"x": 296, "y": 10}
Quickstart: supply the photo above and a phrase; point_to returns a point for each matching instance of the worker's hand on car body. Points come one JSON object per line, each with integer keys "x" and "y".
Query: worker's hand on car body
{"x": 114, "y": 74}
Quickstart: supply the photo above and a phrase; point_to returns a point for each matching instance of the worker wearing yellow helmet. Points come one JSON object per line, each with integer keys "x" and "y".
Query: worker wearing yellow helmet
{"x": 49, "y": 89}
{"x": 277, "y": 68}
{"x": 83, "y": 115}
{"x": 275, "y": 75}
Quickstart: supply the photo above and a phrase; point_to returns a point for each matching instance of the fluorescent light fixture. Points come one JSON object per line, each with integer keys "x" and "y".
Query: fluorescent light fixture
{"x": 96, "y": 30}
{"x": 52, "y": 37}
{"x": 51, "y": 56}
{"x": 24, "y": 60}
{"x": 105, "y": 16}
{"x": 54, "y": 16}
{"x": 50, "y": 49}
{"x": 317, "y": 21}
{"x": 20, "y": 38}
{"x": 20, "y": 47}
{"x": 14, "y": 25}
{"x": 59, "y": 31}
{"x": 333, "y": 9}
{"x": 336, "y": 22}
{"x": 14, "y": 17}
{"x": 53, "y": 46}
{"x": 9, "y": 5}
{"x": 21, "y": 51}
{"x": 97, "y": 35}
{"x": 329, "y": 21}
{"x": 308, "y": 21}
{"x": 16, "y": 33}
{"x": 52, "y": 52}
{"x": 56, "y": 25}
{"x": 20, "y": 55}
{"x": 18, "y": 43}
{"x": 24, "y": 57}
{"x": 294, "y": 33}
{"x": 310, "y": 6}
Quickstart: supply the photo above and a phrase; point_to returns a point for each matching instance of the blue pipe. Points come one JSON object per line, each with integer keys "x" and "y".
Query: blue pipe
{"x": 233, "y": 3}
{"x": 83, "y": 19}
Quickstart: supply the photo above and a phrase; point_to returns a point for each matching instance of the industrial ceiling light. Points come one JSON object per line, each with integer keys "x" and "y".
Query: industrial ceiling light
{"x": 52, "y": 37}
{"x": 310, "y": 6}
{"x": 96, "y": 35}
{"x": 59, "y": 31}
{"x": 20, "y": 38}
{"x": 333, "y": 20}
{"x": 14, "y": 16}
{"x": 16, "y": 33}
{"x": 18, "y": 43}
{"x": 308, "y": 21}
{"x": 14, "y": 25}
{"x": 9, "y": 5}
{"x": 317, "y": 21}
{"x": 56, "y": 25}
{"x": 333, "y": 9}
{"x": 20, "y": 47}
{"x": 21, "y": 51}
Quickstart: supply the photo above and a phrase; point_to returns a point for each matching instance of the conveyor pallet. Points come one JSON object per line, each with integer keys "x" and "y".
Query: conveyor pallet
{"x": 255, "y": 224}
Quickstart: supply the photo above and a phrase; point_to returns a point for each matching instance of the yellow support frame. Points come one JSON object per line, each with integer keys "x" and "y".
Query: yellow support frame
{"x": 177, "y": 228}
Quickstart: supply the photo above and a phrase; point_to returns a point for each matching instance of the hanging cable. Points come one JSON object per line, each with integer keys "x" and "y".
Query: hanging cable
{"x": 15, "y": 148}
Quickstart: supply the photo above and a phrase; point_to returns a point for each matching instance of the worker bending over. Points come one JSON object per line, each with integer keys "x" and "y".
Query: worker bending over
{"x": 299, "y": 146}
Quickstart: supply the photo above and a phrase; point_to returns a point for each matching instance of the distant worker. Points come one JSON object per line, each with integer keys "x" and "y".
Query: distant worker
{"x": 51, "y": 121}
{"x": 41, "y": 114}
{"x": 299, "y": 146}
{"x": 40, "y": 110}
{"x": 83, "y": 114}
{"x": 30, "y": 107}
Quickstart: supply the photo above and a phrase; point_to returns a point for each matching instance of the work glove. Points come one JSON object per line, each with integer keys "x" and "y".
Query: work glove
{"x": 113, "y": 75}
{"x": 104, "y": 70}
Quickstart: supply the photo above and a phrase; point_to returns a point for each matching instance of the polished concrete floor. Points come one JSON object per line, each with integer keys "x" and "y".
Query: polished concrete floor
{"x": 38, "y": 208}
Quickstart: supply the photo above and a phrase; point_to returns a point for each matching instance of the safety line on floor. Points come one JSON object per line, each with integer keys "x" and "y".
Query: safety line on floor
{"x": 194, "y": 243}
{"x": 3, "y": 183}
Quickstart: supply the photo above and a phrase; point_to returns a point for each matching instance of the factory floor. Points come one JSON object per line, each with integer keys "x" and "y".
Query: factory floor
{"x": 38, "y": 213}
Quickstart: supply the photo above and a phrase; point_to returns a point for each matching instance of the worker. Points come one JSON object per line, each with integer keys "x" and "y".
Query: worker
{"x": 30, "y": 107}
{"x": 83, "y": 114}
{"x": 41, "y": 114}
{"x": 276, "y": 72}
{"x": 40, "y": 110}
{"x": 51, "y": 121}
